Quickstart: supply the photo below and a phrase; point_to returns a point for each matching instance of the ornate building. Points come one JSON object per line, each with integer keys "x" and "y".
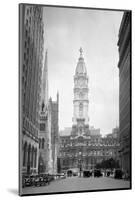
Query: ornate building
{"x": 31, "y": 56}
{"x": 86, "y": 152}
{"x": 124, "y": 65}
{"x": 53, "y": 109}
{"x": 38, "y": 114}
{"x": 48, "y": 133}
{"x": 44, "y": 139}
{"x": 80, "y": 102}
{"x": 84, "y": 147}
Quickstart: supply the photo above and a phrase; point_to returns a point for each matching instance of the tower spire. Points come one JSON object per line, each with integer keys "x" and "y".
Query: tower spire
{"x": 45, "y": 80}
{"x": 81, "y": 101}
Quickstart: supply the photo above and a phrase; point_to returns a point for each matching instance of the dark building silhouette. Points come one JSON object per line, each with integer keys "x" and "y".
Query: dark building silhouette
{"x": 31, "y": 51}
{"x": 124, "y": 65}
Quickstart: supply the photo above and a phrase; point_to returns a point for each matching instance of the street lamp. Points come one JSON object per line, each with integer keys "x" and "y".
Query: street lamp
{"x": 80, "y": 162}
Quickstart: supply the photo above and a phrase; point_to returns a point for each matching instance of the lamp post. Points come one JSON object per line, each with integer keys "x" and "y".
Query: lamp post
{"x": 80, "y": 162}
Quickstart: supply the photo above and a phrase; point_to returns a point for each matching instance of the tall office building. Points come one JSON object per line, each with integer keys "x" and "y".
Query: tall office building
{"x": 31, "y": 51}
{"x": 124, "y": 65}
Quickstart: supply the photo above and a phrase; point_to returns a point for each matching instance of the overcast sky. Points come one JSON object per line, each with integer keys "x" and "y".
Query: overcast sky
{"x": 96, "y": 31}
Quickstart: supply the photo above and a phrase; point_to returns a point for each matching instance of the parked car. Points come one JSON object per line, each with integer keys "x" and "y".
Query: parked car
{"x": 118, "y": 174}
{"x": 75, "y": 173}
{"x": 69, "y": 173}
{"x": 87, "y": 173}
{"x": 112, "y": 174}
{"x": 42, "y": 180}
{"x": 97, "y": 173}
{"x": 61, "y": 175}
{"x": 37, "y": 181}
{"x": 108, "y": 173}
{"x": 26, "y": 181}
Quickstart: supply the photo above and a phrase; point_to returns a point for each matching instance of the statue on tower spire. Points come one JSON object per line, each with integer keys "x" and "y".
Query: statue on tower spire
{"x": 81, "y": 51}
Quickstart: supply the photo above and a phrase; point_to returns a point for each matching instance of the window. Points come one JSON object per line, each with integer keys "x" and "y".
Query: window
{"x": 24, "y": 154}
{"x": 39, "y": 143}
{"x": 27, "y": 11}
{"x": 26, "y": 33}
{"x": 27, "y": 22}
{"x": 24, "y": 56}
{"x": 80, "y": 109}
{"x": 43, "y": 141}
{"x": 42, "y": 126}
{"x": 35, "y": 157}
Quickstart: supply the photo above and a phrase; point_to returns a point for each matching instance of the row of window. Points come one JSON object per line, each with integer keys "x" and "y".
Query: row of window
{"x": 41, "y": 143}
{"x": 88, "y": 144}
{"x": 29, "y": 155}
{"x": 92, "y": 153}
{"x": 100, "y": 140}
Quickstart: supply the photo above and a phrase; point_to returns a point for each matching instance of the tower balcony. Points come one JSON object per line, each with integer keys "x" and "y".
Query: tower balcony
{"x": 83, "y": 89}
{"x": 78, "y": 100}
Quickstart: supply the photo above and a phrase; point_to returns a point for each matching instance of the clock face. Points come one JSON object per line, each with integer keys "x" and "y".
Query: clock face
{"x": 81, "y": 82}
{"x": 81, "y": 95}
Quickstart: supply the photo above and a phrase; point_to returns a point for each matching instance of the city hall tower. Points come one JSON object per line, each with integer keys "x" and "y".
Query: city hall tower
{"x": 80, "y": 101}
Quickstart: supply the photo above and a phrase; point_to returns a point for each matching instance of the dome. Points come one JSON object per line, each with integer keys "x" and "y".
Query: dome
{"x": 81, "y": 68}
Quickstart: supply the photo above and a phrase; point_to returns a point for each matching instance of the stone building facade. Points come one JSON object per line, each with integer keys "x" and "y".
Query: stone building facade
{"x": 31, "y": 51}
{"x": 44, "y": 139}
{"x": 87, "y": 151}
{"x": 84, "y": 147}
{"x": 54, "y": 131}
{"x": 81, "y": 101}
{"x": 48, "y": 131}
{"x": 124, "y": 65}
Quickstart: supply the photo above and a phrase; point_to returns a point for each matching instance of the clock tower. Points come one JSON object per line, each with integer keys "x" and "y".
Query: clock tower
{"x": 81, "y": 101}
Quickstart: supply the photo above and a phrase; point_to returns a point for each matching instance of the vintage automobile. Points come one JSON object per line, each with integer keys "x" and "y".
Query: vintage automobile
{"x": 27, "y": 181}
{"x": 87, "y": 173}
{"x": 37, "y": 181}
{"x": 69, "y": 173}
{"x": 75, "y": 173}
{"x": 42, "y": 180}
{"x": 118, "y": 174}
{"x": 61, "y": 176}
{"x": 108, "y": 173}
{"x": 97, "y": 173}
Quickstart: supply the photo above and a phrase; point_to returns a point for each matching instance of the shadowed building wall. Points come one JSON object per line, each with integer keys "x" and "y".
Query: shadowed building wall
{"x": 31, "y": 43}
{"x": 124, "y": 65}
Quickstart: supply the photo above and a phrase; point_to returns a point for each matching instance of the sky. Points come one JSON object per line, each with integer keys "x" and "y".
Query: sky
{"x": 96, "y": 31}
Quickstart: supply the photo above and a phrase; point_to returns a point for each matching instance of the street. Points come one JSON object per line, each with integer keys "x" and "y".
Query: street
{"x": 78, "y": 184}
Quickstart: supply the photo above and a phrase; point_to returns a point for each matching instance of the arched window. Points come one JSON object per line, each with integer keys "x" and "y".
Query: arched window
{"x": 35, "y": 157}
{"x": 39, "y": 143}
{"x": 24, "y": 153}
{"x": 32, "y": 157}
{"x": 29, "y": 159}
{"x": 43, "y": 141}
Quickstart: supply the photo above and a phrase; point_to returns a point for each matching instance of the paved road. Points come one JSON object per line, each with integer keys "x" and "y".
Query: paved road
{"x": 79, "y": 184}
